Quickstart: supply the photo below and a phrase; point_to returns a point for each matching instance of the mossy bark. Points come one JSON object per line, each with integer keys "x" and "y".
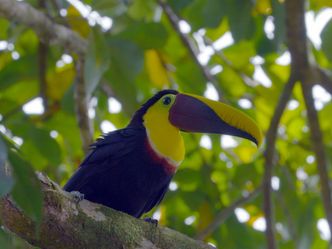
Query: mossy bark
{"x": 67, "y": 224}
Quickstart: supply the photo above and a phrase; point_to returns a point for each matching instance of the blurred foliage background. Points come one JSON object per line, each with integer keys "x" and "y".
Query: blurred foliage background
{"x": 234, "y": 51}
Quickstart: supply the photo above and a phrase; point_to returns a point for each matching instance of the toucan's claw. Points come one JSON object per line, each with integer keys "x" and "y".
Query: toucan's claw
{"x": 152, "y": 221}
{"x": 77, "y": 196}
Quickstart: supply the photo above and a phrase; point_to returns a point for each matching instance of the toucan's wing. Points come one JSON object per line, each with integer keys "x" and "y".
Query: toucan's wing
{"x": 155, "y": 200}
{"x": 105, "y": 155}
{"x": 118, "y": 173}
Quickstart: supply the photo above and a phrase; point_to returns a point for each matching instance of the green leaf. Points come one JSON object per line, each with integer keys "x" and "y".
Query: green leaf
{"x": 138, "y": 32}
{"x": 326, "y": 36}
{"x": 241, "y": 22}
{"x": 4, "y": 27}
{"x": 18, "y": 70}
{"x": 26, "y": 193}
{"x": 231, "y": 82}
{"x": 96, "y": 62}
{"x": 178, "y": 5}
{"x": 190, "y": 77}
{"x": 5, "y": 241}
{"x": 142, "y": 9}
{"x": 6, "y": 180}
{"x": 127, "y": 61}
{"x": 42, "y": 150}
{"x": 26, "y": 90}
{"x": 188, "y": 178}
{"x": 110, "y": 7}
{"x": 205, "y": 13}
{"x": 317, "y": 5}
{"x": 216, "y": 33}
{"x": 239, "y": 54}
{"x": 46, "y": 145}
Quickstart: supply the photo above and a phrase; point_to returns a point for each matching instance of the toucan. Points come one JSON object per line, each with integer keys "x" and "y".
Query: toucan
{"x": 130, "y": 169}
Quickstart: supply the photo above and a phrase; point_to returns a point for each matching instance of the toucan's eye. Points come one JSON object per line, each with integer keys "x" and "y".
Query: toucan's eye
{"x": 167, "y": 100}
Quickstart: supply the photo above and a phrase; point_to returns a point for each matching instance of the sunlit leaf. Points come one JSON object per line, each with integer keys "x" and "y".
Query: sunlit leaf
{"x": 59, "y": 81}
{"x": 4, "y": 24}
{"x": 239, "y": 54}
{"x": 231, "y": 82}
{"x": 320, "y": 4}
{"x": 263, "y": 7}
{"x": 77, "y": 22}
{"x": 216, "y": 33}
{"x": 245, "y": 153}
{"x": 205, "y": 216}
{"x": 156, "y": 68}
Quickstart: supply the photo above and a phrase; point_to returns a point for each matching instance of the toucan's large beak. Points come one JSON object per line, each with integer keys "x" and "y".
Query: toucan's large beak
{"x": 193, "y": 113}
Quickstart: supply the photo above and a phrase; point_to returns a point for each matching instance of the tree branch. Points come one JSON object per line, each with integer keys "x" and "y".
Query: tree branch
{"x": 46, "y": 29}
{"x": 67, "y": 224}
{"x": 42, "y": 67}
{"x": 225, "y": 213}
{"x": 296, "y": 38}
{"x": 82, "y": 107}
{"x": 319, "y": 150}
{"x": 269, "y": 155}
{"x": 308, "y": 75}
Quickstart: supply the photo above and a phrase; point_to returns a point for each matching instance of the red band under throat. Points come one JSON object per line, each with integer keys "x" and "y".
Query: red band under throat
{"x": 158, "y": 159}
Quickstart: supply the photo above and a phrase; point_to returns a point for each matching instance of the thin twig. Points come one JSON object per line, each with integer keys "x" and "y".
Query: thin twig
{"x": 225, "y": 213}
{"x": 174, "y": 20}
{"x": 269, "y": 155}
{"x": 81, "y": 106}
{"x": 281, "y": 199}
{"x": 106, "y": 88}
{"x": 46, "y": 29}
{"x": 42, "y": 65}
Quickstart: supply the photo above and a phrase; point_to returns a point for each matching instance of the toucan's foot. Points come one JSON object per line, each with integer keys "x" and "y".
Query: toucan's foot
{"x": 77, "y": 196}
{"x": 152, "y": 221}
